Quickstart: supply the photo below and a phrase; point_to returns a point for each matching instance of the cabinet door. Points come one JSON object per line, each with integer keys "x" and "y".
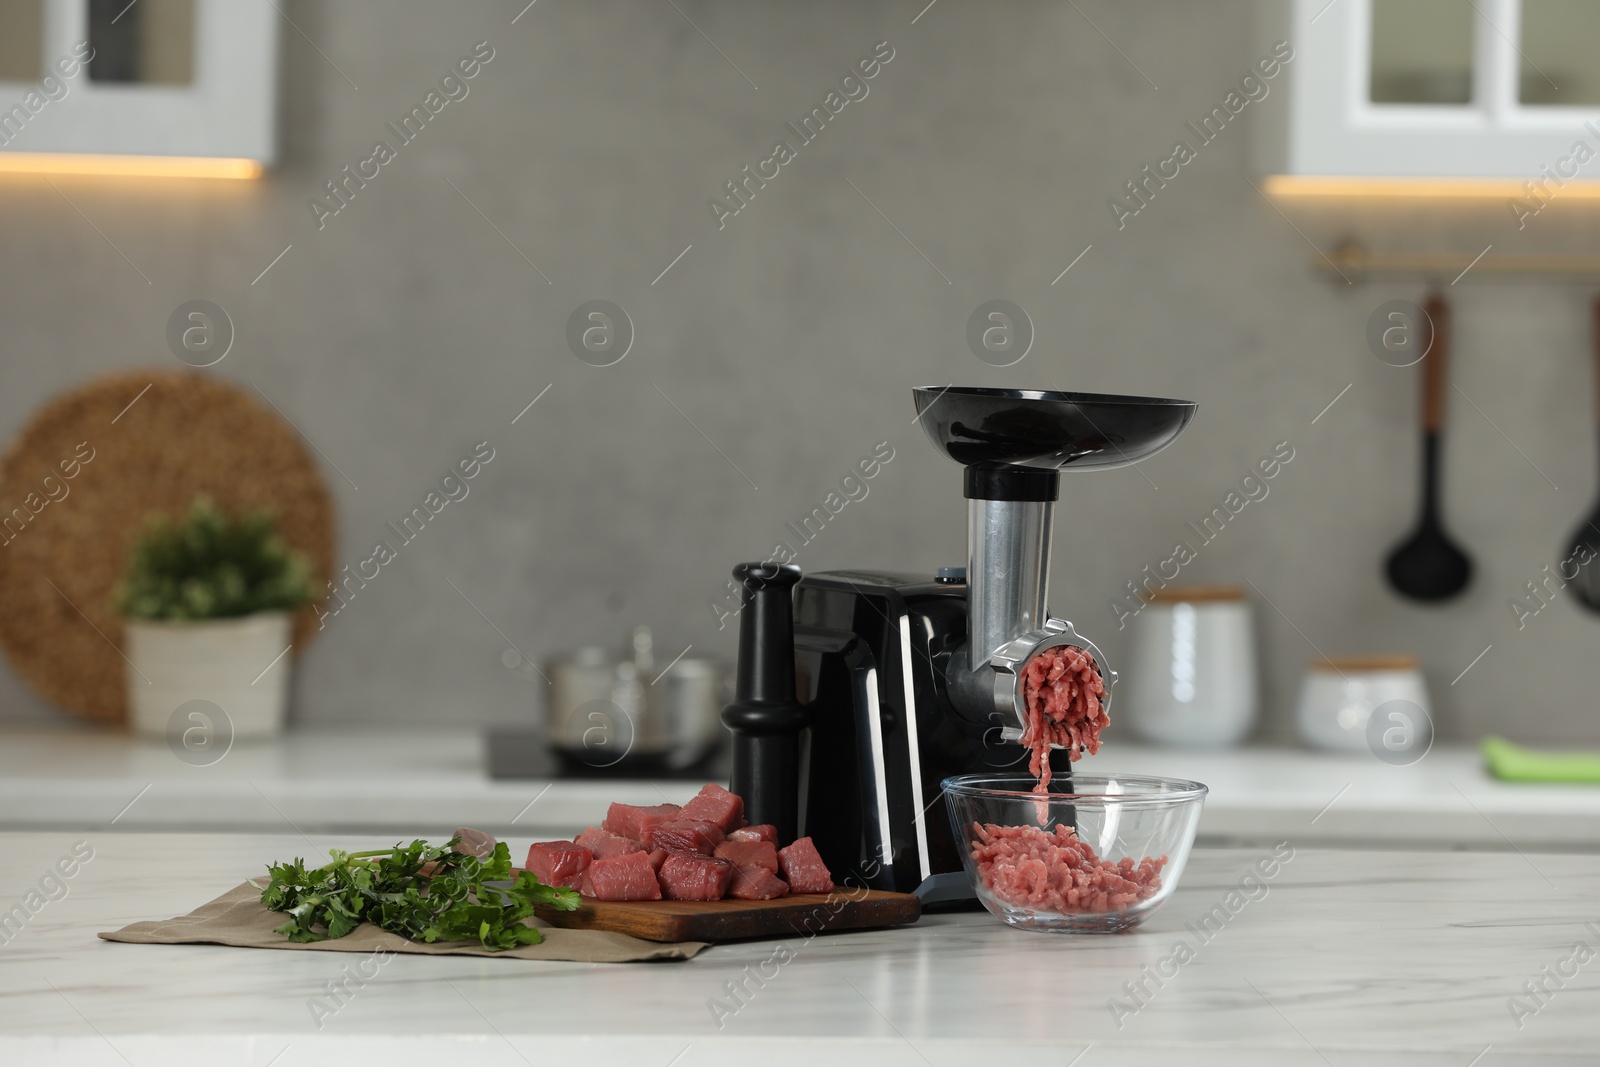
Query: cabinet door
{"x": 149, "y": 78}
{"x": 1443, "y": 88}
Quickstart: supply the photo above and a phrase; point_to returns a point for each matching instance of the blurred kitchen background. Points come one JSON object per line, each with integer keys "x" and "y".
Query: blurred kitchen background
{"x": 774, "y": 352}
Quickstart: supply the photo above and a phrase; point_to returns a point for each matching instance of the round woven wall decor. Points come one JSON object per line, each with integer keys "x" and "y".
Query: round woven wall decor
{"x": 134, "y": 444}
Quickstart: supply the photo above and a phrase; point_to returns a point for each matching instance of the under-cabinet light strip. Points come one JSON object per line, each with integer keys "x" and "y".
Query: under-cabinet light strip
{"x": 1308, "y": 185}
{"x": 128, "y": 166}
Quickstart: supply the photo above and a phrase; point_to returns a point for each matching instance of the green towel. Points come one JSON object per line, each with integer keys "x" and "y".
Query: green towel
{"x": 1513, "y": 763}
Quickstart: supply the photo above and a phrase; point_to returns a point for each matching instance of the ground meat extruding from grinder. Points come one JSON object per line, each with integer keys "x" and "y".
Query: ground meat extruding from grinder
{"x": 1061, "y": 695}
{"x": 1054, "y": 871}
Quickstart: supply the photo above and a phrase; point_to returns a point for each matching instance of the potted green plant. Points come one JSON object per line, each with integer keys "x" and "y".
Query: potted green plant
{"x": 208, "y": 603}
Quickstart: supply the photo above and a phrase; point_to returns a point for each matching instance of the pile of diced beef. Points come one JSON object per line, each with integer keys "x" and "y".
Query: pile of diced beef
{"x": 700, "y": 851}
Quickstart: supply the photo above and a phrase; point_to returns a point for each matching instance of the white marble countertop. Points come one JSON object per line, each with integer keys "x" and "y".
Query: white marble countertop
{"x": 1340, "y": 958}
{"x": 408, "y": 780}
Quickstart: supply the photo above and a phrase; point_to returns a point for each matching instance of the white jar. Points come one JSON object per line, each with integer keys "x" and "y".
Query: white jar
{"x": 1339, "y": 696}
{"x": 1191, "y": 678}
{"x": 237, "y": 665}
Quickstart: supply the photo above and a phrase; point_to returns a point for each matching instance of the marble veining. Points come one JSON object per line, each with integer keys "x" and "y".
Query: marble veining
{"x": 1387, "y": 957}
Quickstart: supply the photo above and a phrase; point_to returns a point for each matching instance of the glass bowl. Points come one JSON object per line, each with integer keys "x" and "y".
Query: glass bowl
{"x": 1096, "y": 854}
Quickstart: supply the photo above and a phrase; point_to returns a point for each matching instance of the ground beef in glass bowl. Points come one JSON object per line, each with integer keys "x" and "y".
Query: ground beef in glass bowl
{"x": 1096, "y": 854}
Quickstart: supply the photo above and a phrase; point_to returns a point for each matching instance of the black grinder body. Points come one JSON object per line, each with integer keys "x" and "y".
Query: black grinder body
{"x": 871, "y": 648}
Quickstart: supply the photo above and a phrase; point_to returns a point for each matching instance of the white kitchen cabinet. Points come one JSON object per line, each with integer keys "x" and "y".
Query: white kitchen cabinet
{"x": 138, "y": 86}
{"x": 1445, "y": 89}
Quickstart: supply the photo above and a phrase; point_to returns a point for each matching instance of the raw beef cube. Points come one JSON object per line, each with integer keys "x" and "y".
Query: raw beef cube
{"x": 658, "y": 857}
{"x": 749, "y": 854}
{"x": 687, "y": 835}
{"x": 635, "y": 823}
{"x": 764, "y": 832}
{"x": 605, "y": 845}
{"x": 474, "y": 843}
{"x": 625, "y": 877}
{"x": 716, "y": 805}
{"x": 559, "y": 862}
{"x": 755, "y": 883}
{"x": 685, "y": 876}
{"x": 804, "y": 869}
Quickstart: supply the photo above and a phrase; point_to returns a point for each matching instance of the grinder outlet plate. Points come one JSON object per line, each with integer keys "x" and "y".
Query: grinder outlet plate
{"x": 1012, "y": 657}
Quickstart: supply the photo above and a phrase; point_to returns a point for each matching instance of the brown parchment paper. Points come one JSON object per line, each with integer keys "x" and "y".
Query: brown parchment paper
{"x": 238, "y": 918}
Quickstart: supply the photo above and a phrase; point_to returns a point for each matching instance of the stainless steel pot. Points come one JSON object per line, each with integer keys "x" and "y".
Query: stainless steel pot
{"x": 607, "y": 711}
{"x": 686, "y": 703}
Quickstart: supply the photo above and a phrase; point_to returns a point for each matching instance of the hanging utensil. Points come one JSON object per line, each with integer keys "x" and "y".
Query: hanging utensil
{"x": 1583, "y": 547}
{"x": 1428, "y": 565}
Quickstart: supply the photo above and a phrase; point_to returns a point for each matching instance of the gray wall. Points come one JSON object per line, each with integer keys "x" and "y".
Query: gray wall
{"x": 407, "y": 329}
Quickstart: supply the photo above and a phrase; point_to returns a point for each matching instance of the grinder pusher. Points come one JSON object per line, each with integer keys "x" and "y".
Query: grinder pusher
{"x": 859, "y": 691}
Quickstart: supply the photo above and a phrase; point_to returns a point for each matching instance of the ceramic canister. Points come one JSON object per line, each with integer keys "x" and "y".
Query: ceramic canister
{"x": 1340, "y": 695}
{"x": 1191, "y": 679}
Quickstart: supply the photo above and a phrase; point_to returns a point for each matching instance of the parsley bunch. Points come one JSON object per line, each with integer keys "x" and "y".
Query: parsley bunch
{"x": 388, "y": 888}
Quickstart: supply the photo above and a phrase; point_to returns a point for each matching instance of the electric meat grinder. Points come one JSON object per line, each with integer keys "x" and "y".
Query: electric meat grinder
{"x": 859, "y": 691}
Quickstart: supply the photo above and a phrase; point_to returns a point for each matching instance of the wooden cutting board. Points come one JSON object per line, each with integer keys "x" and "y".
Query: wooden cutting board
{"x": 800, "y": 914}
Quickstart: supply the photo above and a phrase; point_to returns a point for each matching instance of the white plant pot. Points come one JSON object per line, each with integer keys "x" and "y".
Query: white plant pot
{"x": 236, "y": 664}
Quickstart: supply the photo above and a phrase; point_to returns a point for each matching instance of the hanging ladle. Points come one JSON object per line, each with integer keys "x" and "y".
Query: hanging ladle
{"x": 1582, "y": 550}
{"x": 1428, "y": 565}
